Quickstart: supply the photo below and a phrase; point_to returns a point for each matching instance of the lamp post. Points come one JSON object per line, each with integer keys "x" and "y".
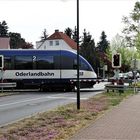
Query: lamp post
{"x": 78, "y": 83}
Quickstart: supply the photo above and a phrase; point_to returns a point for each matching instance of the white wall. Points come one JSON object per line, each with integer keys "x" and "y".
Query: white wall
{"x": 46, "y": 45}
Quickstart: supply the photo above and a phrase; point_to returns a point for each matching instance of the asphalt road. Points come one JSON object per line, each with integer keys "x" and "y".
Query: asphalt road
{"x": 25, "y": 104}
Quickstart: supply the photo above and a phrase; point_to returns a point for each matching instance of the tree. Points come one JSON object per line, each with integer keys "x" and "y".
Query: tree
{"x": 132, "y": 25}
{"x": 87, "y": 48}
{"x": 126, "y": 55}
{"x": 72, "y": 33}
{"x": 68, "y": 31}
{"x": 3, "y": 29}
{"x": 137, "y": 42}
{"x": 16, "y": 41}
{"x": 74, "y": 36}
{"x": 103, "y": 44}
{"x": 118, "y": 45}
{"x": 117, "y": 42}
{"x": 28, "y": 46}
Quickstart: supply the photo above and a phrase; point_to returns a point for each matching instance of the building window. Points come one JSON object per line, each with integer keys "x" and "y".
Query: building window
{"x": 57, "y": 43}
{"x": 51, "y": 43}
{"x": 45, "y": 47}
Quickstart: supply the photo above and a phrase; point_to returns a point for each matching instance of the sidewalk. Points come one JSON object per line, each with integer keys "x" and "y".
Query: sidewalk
{"x": 121, "y": 123}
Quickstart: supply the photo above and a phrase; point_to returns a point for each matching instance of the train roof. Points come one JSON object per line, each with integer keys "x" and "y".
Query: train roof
{"x": 35, "y": 52}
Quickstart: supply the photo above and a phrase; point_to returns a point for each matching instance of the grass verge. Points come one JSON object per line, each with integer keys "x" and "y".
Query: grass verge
{"x": 62, "y": 122}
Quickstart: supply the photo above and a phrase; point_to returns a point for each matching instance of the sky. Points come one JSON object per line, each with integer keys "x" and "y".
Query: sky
{"x": 31, "y": 17}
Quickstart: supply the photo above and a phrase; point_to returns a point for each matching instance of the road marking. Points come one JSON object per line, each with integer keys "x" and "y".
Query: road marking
{"x": 47, "y": 97}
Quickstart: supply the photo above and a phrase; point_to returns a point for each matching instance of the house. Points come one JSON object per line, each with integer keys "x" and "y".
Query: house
{"x": 4, "y": 43}
{"x": 58, "y": 40}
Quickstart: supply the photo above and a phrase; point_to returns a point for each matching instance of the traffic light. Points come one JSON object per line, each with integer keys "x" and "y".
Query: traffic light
{"x": 116, "y": 60}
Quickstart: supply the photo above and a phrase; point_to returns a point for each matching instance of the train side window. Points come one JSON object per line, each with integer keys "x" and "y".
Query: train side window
{"x": 7, "y": 62}
{"x": 66, "y": 62}
{"x": 57, "y": 62}
{"x": 45, "y": 62}
{"x": 23, "y": 62}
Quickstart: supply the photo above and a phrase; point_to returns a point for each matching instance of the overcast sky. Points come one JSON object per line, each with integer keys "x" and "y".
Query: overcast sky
{"x": 31, "y": 17}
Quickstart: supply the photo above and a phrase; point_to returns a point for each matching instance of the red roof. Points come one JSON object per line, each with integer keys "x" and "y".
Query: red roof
{"x": 4, "y": 43}
{"x": 63, "y": 36}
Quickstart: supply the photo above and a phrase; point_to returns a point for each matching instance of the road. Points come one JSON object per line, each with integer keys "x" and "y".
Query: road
{"x": 25, "y": 104}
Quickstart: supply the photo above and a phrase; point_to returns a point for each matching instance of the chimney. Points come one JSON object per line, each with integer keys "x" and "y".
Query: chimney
{"x": 56, "y": 30}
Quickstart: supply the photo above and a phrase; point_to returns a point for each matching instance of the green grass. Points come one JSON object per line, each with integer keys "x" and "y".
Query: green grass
{"x": 64, "y": 121}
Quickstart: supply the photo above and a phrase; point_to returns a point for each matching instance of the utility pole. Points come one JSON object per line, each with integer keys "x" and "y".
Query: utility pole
{"x": 78, "y": 83}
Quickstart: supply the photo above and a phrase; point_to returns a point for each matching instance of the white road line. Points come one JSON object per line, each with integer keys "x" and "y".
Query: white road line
{"x": 47, "y": 97}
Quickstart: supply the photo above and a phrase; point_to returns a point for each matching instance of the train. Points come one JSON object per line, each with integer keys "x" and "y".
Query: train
{"x": 45, "y": 69}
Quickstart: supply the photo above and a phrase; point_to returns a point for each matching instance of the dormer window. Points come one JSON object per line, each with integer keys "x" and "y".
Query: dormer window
{"x": 57, "y": 43}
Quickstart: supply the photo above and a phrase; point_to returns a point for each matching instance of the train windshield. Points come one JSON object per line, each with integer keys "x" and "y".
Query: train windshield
{"x": 84, "y": 65}
{"x": 70, "y": 59}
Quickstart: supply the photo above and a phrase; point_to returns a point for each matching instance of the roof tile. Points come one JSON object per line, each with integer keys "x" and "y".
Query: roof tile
{"x": 67, "y": 39}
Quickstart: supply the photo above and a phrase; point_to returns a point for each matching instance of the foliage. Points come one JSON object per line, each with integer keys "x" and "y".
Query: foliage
{"x": 68, "y": 31}
{"x": 117, "y": 42}
{"x": 109, "y": 53}
{"x": 28, "y": 46}
{"x": 74, "y": 36}
{"x": 16, "y": 41}
{"x": 137, "y": 42}
{"x": 3, "y": 29}
{"x": 102, "y": 48}
{"x": 103, "y": 44}
{"x": 71, "y": 33}
{"x": 118, "y": 45}
{"x": 126, "y": 57}
{"x": 132, "y": 25}
{"x": 87, "y": 48}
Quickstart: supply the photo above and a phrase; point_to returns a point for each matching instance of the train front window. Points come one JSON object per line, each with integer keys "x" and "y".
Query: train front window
{"x": 82, "y": 65}
{"x": 45, "y": 62}
{"x": 23, "y": 62}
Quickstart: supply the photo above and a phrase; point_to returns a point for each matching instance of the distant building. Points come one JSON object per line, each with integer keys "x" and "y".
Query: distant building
{"x": 57, "y": 41}
{"x": 4, "y": 43}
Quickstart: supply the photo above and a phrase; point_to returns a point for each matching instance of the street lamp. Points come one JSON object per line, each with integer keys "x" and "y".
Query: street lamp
{"x": 78, "y": 83}
{"x": 77, "y": 40}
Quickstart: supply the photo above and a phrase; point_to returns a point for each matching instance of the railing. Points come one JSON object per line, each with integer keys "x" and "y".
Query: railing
{"x": 119, "y": 88}
{"x": 7, "y": 85}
